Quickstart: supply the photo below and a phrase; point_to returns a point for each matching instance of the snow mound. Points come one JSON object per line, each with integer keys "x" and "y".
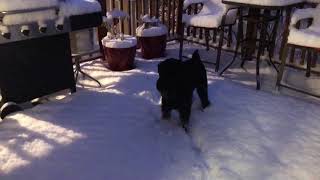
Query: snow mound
{"x": 154, "y": 30}
{"x": 128, "y": 42}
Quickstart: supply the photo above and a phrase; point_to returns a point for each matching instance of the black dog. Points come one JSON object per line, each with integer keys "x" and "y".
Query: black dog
{"x": 176, "y": 83}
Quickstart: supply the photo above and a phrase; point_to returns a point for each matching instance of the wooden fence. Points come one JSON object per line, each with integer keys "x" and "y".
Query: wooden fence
{"x": 170, "y": 12}
{"x": 165, "y": 10}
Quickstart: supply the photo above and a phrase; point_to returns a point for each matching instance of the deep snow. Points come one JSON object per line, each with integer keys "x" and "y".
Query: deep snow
{"x": 115, "y": 132}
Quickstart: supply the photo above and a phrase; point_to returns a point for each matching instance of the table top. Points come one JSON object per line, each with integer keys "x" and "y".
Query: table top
{"x": 263, "y": 3}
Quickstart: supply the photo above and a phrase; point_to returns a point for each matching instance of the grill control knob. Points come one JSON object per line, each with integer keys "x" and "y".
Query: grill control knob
{"x": 5, "y": 32}
{"x": 42, "y": 26}
{"x": 25, "y": 30}
{"x": 59, "y": 27}
{"x": 43, "y": 29}
{"x": 6, "y": 35}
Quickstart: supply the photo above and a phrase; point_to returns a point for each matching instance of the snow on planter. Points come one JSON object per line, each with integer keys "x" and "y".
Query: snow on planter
{"x": 120, "y": 53}
{"x": 152, "y": 37}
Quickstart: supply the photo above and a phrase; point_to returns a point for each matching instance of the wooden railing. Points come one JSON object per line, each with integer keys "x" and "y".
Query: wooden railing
{"x": 170, "y": 12}
{"x": 165, "y": 10}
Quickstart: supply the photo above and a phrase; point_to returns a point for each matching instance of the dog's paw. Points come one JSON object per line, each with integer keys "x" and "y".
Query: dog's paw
{"x": 166, "y": 116}
{"x": 207, "y": 108}
{"x": 205, "y": 105}
{"x": 185, "y": 127}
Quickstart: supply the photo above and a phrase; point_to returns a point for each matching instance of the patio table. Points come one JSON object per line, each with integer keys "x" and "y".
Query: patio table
{"x": 254, "y": 13}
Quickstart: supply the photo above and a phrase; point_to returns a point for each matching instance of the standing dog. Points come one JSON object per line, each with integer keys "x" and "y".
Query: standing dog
{"x": 176, "y": 83}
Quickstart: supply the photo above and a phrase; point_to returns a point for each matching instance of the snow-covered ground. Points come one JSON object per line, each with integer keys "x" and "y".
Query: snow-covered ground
{"x": 115, "y": 132}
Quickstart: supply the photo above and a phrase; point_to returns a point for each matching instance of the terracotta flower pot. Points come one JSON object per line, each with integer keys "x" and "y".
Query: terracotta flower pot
{"x": 152, "y": 40}
{"x": 119, "y": 55}
{"x": 153, "y": 47}
{"x": 120, "y": 59}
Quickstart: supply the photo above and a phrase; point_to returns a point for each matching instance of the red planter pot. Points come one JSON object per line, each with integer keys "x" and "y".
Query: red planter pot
{"x": 153, "y": 47}
{"x": 120, "y": 59}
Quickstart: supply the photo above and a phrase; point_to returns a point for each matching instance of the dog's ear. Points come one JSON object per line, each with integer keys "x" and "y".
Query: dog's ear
{"x": 196, "y": 55}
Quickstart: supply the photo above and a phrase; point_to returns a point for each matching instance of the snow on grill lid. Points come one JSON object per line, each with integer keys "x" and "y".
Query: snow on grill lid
{"x": 79, "y": 7}
{"x": 24, "y": 18}
{"x": 128, "y": 42}
{"x": 12, "y": 5}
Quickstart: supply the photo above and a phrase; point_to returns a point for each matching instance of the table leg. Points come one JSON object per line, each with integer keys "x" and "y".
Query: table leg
{"x": 251, "y": 35}
{"x": 286, "y": 31}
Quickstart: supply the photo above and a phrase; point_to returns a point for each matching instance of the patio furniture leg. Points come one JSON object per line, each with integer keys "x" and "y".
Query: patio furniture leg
{"x": 219, "y": 48}
{"x": 214, "y": 37}
{"x": 286, "y": 29}
{"x": 274, "y": 33}
{"x": 78, "y": 70}
{"x": 260, "y": 51}
{"x": 239, "y": 39}
{"x": 314, "y": 59}
{"x": 303, "y": 57}
{"x": 181, "y": 42}
{"x": 309, "y": 59}
{"x": 229, "y": 36}
{"x": 283, "y": 57}
{"x": 233, "y": 60}
{"x": 207, "y": 37}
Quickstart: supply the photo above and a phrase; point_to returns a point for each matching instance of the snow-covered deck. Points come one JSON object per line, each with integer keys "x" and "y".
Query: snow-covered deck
{"x": 115, "y": 132}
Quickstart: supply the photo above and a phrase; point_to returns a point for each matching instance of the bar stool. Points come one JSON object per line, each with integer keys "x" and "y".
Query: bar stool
{"x": 215, "y": 16}
{"x": 266, "y": 40}
{"x": 307, "y": 39}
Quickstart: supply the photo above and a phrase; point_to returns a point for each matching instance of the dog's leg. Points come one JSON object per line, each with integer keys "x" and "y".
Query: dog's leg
{"x": 166, "y": 109}
{"x": 166, "y": 112}
{"x": 203, "y": 95}
{"x": 184, "y": 112}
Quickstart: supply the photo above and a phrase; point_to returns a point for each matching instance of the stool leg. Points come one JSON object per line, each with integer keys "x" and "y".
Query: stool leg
{"x": 283, "y": 57}
{"x": 181, "y": 41}
{"x": 207, "y": 37}
{"x": 239, "y": 39}
{"x": 219, "y": 48}
{"x": 229, "y": 36}
{"x": 309, "y": 59}
{"x": 214, "y": 37}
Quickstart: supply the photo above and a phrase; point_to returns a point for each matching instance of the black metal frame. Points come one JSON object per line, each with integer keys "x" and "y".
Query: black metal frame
{"x": 266, "y": 41}
{"x": 77, "y": 62}
{"x": 220, "y": 29}
{"x": 283, "y": 65}
{"x": 283, "y": 58}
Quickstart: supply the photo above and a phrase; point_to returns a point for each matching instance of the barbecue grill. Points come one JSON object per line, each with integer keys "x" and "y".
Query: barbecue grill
{"x": 35, "y": 55}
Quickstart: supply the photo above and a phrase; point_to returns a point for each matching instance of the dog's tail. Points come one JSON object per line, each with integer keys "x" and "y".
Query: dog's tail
{"x": 196, "y": 56}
